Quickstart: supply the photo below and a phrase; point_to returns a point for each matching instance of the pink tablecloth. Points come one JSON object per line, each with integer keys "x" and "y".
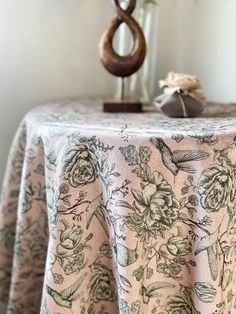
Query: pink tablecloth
{"x": 113, "y": 213}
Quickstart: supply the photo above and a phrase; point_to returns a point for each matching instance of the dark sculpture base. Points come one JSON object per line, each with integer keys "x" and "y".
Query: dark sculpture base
{"x": 125, "y": 107}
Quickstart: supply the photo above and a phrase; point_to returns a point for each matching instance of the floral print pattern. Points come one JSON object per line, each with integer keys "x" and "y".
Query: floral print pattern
{"x": 80, "y": 166}
{"x": 179, "y": 304}
{"x": 102, "y": 285}
{"x": 179, "y": 246}
{"x": 111, "y": 218}
{"x": 216, "y": 187}
{"x": 155, "y": 208}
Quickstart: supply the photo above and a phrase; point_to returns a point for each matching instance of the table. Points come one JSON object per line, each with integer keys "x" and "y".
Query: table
{"x": 119, "y": 213}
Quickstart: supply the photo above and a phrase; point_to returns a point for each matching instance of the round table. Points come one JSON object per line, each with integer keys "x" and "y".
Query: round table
{"x": 119, "y": 213}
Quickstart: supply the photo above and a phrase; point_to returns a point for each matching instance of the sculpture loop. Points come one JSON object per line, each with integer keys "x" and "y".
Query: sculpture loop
{"x": 123, "y": 65}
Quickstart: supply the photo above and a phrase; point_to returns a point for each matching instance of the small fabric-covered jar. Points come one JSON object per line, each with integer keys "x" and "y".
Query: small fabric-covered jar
{"x": 181, "y": 97}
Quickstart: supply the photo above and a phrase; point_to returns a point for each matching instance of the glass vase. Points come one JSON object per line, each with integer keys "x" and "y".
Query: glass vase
{"x": 141, "y": 85}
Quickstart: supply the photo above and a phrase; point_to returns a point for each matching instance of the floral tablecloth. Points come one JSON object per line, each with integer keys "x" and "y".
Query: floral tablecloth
{"x": 114, "y": 213}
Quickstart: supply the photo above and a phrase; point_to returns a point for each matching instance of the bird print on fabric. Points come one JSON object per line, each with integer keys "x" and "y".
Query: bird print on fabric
{"x": 177, "y": 160}
{"x": 68, "y": 295}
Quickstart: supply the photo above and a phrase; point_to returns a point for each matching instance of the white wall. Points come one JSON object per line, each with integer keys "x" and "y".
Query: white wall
{"x": 202, "y": 33}
{"x": 48, "y": 50}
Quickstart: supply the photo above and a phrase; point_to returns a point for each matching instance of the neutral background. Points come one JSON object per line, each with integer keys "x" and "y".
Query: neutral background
{"x": 48, "y": 50}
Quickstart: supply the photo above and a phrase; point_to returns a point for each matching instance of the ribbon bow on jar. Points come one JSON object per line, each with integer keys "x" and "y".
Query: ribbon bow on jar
{"x": 181, "y": 97}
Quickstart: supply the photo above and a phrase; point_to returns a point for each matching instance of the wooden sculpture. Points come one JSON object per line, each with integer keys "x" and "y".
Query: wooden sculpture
{"x": 123, "y": 66}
